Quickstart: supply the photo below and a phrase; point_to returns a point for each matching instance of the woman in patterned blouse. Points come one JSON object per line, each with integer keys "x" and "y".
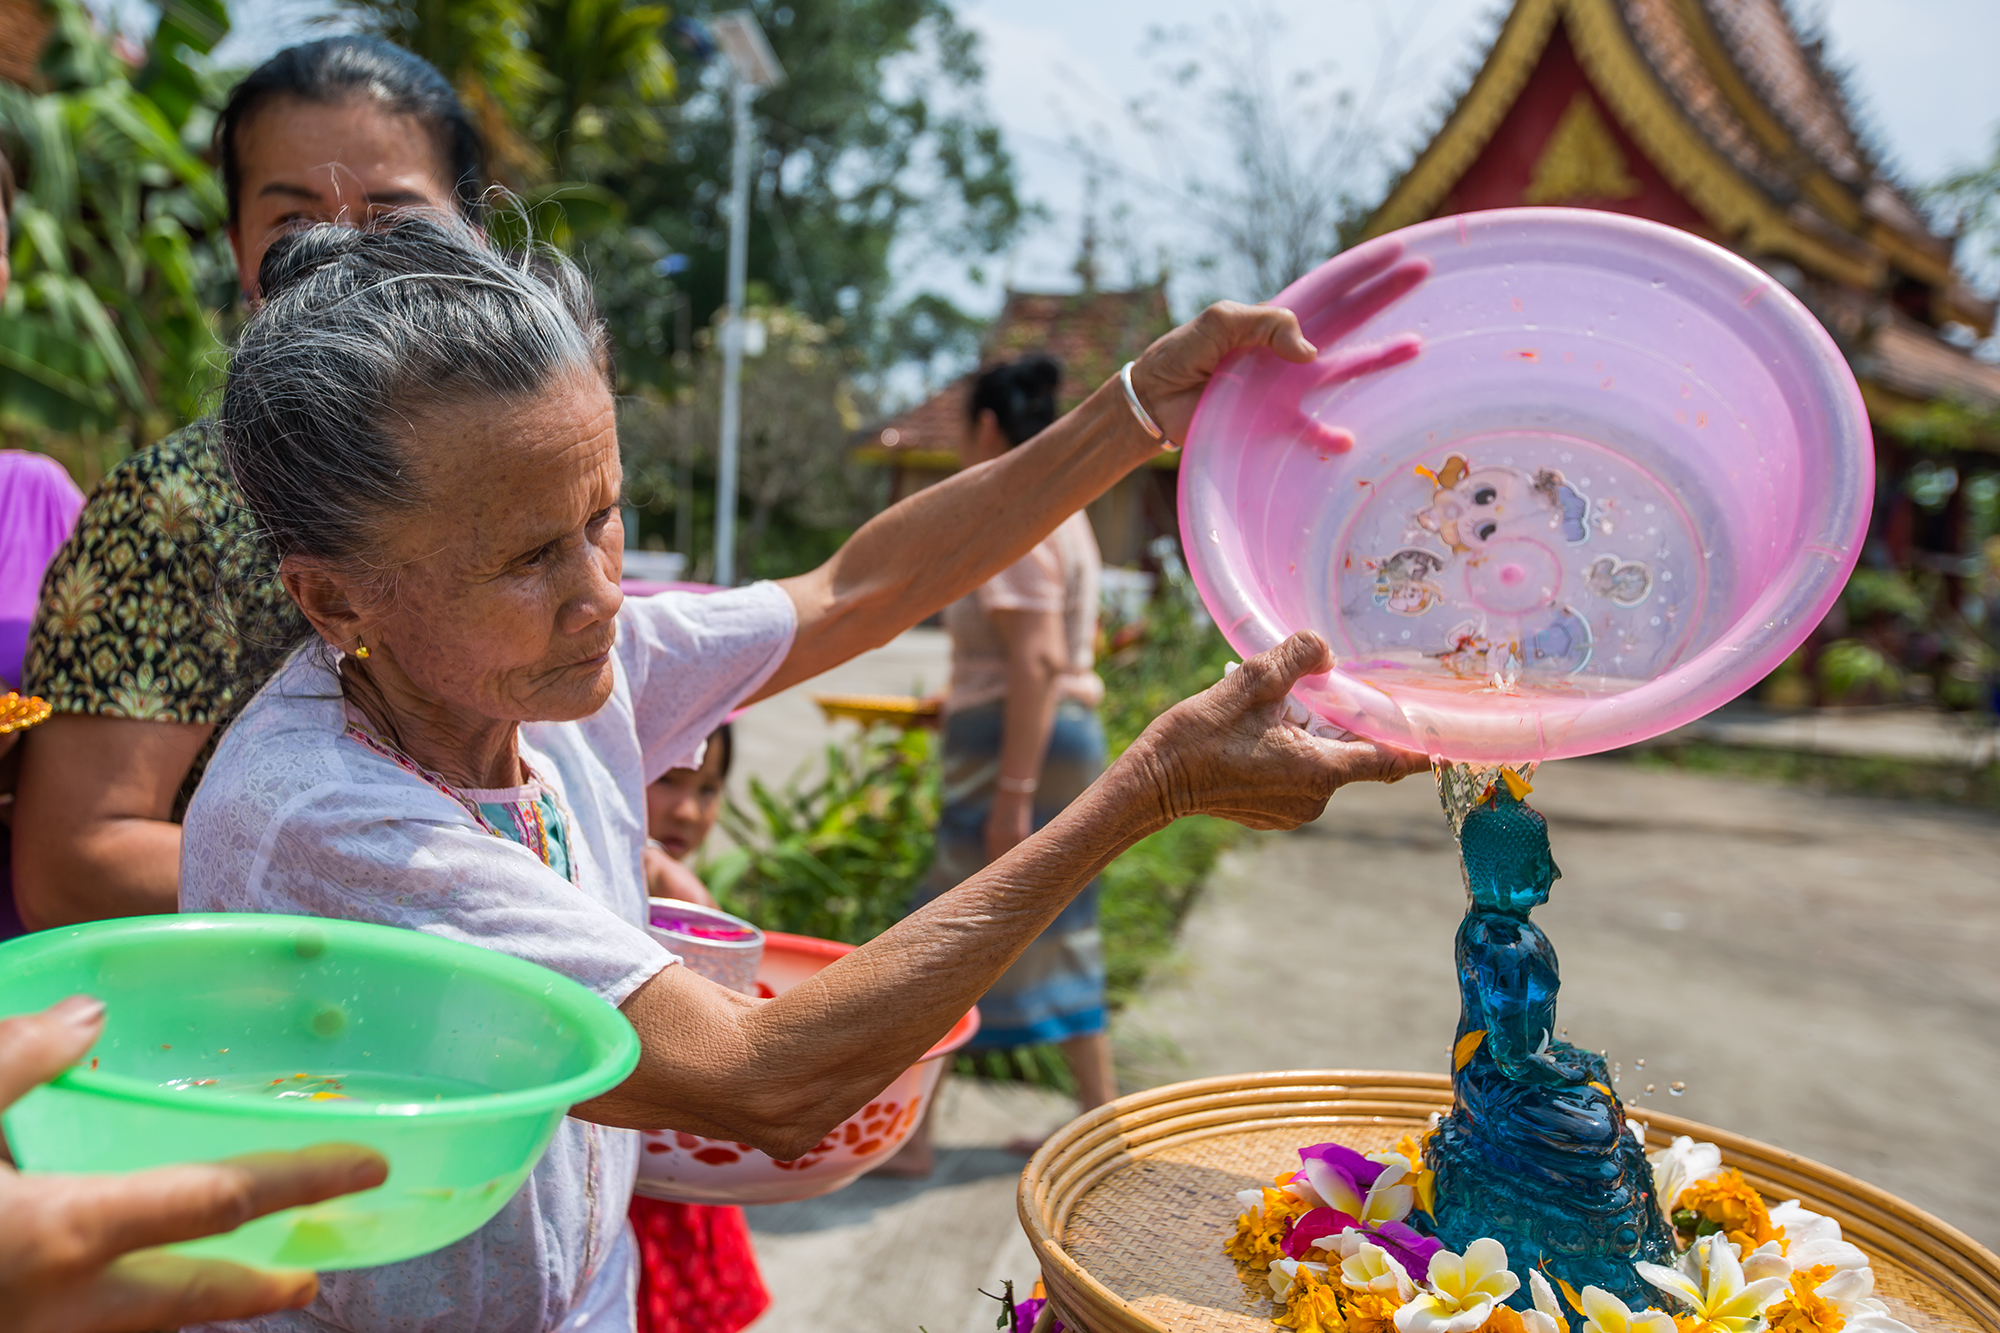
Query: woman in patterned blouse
{"x": 158, "y": 620}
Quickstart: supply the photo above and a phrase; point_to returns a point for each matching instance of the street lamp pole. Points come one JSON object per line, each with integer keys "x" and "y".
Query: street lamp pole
{"x": 732, "y": 342}
{"x": 756, "y": 68}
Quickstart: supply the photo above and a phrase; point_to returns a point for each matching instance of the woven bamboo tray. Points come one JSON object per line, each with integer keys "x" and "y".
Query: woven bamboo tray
{"x": 1128, "y": 1206}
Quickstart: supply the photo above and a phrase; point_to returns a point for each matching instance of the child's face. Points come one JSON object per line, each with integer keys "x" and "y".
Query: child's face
{"x": 681, "y": 806}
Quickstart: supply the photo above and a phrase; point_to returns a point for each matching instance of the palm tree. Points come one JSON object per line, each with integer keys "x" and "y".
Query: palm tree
{"x": 109, "y": 336}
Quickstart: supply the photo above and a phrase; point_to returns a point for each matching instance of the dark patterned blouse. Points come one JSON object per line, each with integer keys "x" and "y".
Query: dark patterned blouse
{"x": 162, "y": 605}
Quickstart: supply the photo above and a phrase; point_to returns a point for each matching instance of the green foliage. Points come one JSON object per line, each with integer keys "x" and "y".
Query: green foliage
{"x": 801, "y": 494}
{"x": 1175, "y": 652}
{"x": 1970, "y": 199}
{"x": 1849, "y": 667}
{"x": 1854, "y": 775}
{"x": 841, "y": 858}
{"x": 875, "y": 142}
{"x": 1946, "y": 426}
{"x": 1873, "y": 592}
{"x": 485, "y": 48}
{"x": 108, "y": 334}
{"x": 1149, "y": 890}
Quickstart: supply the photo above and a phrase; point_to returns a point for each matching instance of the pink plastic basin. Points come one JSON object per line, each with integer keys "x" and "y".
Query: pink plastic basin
{"x": 1626, "y": 477}
{"x": 688, "y": 1168}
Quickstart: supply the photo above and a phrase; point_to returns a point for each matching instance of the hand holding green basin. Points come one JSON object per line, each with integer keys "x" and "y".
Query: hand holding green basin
{"x": 233, "y": 1033}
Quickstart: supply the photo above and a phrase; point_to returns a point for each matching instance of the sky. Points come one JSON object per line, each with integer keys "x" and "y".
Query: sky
{"x": 1062, "y": 73}
{"x": 1927, "y": 72}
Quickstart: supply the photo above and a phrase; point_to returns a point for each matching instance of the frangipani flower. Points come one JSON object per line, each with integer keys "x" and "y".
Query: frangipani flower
{"x": 1365, "y": 1189}
{"x": 1371, "y": 1268}
{"x": 1605, "y": 1313}
{"x": 1408, "y": 1247}
{"x": 1813, "y": 1238}
{"x": 1547, "y": 1316}
{"x": 1681, "y": 1164}
{"x": 1709, "y": 1281}
{"x": 1463, "y": 1290}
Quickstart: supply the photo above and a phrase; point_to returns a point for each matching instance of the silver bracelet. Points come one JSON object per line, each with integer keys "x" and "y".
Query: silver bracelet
{"x": 1017, "y": 786}
{"x": 1146, "y": 422}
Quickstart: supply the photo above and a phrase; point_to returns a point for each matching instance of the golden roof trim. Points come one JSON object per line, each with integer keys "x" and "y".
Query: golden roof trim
{"x": 1625, "y": 81}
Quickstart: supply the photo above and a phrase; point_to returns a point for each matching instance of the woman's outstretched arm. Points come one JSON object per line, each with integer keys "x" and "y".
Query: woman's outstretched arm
{"x": 779, "y": 1074}
{"x": 920, "y": 555}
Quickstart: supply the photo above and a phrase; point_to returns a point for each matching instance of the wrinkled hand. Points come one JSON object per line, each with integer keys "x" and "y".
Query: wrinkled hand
{"x": 1230, "y": 751}
{"x": 1170, "y": 375}
{"x": 75, "y": 1251}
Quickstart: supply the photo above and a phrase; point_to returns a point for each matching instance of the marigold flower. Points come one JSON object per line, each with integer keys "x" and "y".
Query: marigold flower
{"x": 1261, "y": 1231}
{"x": 1804, "y": 1310}
{"x": 1369, "y": 1312}
{"x": 1313, "y": 1305}
{"x": 1728, "y": 1203}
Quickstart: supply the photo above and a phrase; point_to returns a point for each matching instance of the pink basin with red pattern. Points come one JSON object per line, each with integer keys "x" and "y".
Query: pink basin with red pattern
{"x": 687, "y": 1168}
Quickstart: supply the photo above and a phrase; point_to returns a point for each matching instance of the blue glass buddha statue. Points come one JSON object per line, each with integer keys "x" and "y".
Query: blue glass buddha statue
{"x": 1535, "y": 1152}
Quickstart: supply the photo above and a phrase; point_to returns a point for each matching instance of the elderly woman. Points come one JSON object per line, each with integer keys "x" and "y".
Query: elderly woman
{"x": 422, "y": 428}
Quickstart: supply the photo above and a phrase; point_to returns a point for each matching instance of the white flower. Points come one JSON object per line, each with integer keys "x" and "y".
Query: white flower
{"x": 1372, "y": 1268}
{"x": 1767, "y": 1260}
{"x": 1812, "y": 1239}
{"x": 1463, "y": 1290}
{"x": 1342, "y": 1246}
{"x": 1679, "y": 1165}
{"x": 1709, "y": 1281}
{"x": 1250, "y": 1202}
{"x": 1284, "y": 1272}
{"x": 1547, "y": 1316}
{"x": 1605, "y": 1313}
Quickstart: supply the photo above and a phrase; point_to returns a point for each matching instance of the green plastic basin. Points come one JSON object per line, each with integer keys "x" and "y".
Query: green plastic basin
{"x": 230, "y": 1033}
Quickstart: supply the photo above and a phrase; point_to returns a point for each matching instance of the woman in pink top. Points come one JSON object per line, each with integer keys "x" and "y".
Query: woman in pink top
{"x": 1022, "y": 740}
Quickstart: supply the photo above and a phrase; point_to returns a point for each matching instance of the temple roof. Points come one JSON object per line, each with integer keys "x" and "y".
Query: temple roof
{"x": 1743, "y": 121}
{"x": 1090, "y": 333}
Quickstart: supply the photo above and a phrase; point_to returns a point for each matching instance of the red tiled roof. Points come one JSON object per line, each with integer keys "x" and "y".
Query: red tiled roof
{"x": 1661, "y": 33}
{"x": 1766, "y": 49}
{"x": 1904, "y": 356}
{"x": 1090, "y": 333}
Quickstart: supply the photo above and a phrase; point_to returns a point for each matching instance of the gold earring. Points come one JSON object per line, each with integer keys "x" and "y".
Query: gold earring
{"x": 361, "y": 650}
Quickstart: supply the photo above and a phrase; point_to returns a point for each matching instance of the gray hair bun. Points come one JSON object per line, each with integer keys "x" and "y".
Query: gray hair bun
{"x": 360, "y": 332}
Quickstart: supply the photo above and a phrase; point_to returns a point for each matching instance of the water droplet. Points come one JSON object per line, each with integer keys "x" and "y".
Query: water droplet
{"x": 1649, "y": 1089}
{"x": 1638, "y": 1064}
{"x": 1564, "y": 1034}
{"x": 1677, "y": 1087}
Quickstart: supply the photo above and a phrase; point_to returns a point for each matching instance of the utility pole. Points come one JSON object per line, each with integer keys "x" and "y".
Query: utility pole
{"x": 756, "y": 68}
